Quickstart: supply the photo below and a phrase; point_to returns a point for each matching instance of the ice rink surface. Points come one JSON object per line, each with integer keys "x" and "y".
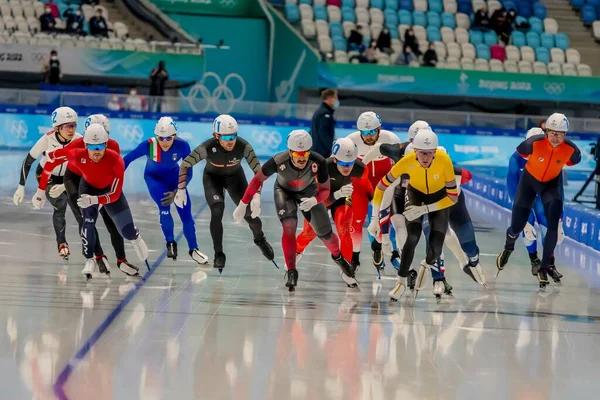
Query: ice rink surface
{"x": 187, "y": 333}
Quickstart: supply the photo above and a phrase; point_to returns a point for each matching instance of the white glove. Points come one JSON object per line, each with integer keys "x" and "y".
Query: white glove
{"x": 38, "y": 200}
{"x": 530, "y": 232}
{"x": 181, "y": 198}
{"x": 344, "y": 191}
{"x": 561, "y": 233}
{"x": 386, "y": 245}
{"x": 86, "y": 201}
{"x": 57, "y": 190}
{"x": 19, "y": 195}
{"x": 374, "y": 228}
{"x": 240, "y": 212}
{"x": 255, "y": 206}
{"x": 307, "y": 203}
{"x": 413, "y": 212}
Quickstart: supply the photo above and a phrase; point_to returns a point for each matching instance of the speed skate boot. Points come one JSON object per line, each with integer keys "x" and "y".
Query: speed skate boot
{"x": 198, "y": 256}
{"x": 412, "y": 279}
{"x": 438, "y": 289}
{"x": 265, "y": 248}
{"x": 292, "y": 279}
{"x": 127, "y": 268}
{"x": 219, "y": 261}
{"x": 172, "y": 250}
{"x": 437, "y": 274}
{"x": 377, "y": 257}
{"x": 89, "y": 268}
{"x": 399, "y": 289}
{"x": 63, "y": 251}
{"x": 420, "y": 282}
{"x": 553, "y": 272}
{"x": 536, "y": 263}
{"x": 543, "y": 278}
{"x": 474, "y": 270}
{"x": 395, "y": 260}
{"x": 103, "y": 265}
{"x": 502, "y": 260}
{"x": 356, "y": 260}
{"x": 347, "y": 272}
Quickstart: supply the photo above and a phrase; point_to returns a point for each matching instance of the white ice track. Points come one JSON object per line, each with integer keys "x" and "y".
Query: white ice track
{"x": 190, "y": 334}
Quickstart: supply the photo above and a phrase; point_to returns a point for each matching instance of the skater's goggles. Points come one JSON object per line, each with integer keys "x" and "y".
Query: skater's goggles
{"x": 371, "y": 132}
{"x": 96, "y": 147}
{"x": 301, "y": 154}
{"x": 557, "y": 134}
{"x": 71, "y": 125}
{"x": 166, "y": 138}
{"x": 344, "y": 163}
{"x": 228, "y": 138}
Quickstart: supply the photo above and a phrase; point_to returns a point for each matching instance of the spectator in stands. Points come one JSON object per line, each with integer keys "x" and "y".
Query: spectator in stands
{"x": 53, "y": 9}
{"x": 508, "y": 26}
{"x": 430, "y": 57}
{"x": 409, "y": 55}
{"x": 355, "y": 41}
{"x": 322, "y": 128}
{"x": 52, "y": 74}
{"x": 158, "y": 79}
{"x": 411, "y": 41}
{"x": 497, "y": 20}
{"x": 113, "y": 103}
{"x": 47, "y": 21}
{"x": 134, "y": 101}
{"x": 98, "y": 25}
{"x": 75, "y": 21}
{"x": 371, "y": 53}
{"x": 481, "y": 21}
{"x": 384, "y": 41}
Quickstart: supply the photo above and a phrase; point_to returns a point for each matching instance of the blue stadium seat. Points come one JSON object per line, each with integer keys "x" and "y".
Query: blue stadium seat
{"x": 391, "y": 5}
{"x": 406, "y": 5}
{"x": 465, "y": 7}
{"x": 305, "y": 2}
{"x": 448, "y": 20}
{"x": 578, "y": 3}
{"x": 348, "y": 14}
{"x": 547, "y": 40}
{"x": 483, "y": 51}
{"x": 335, "y": 28}
{"x": 435, "y": 6}
{"x": 292, "y": 12}
{"x": 594, "y": 3}
{"x": 377, "y": 4}
{"x": 366, "y": 41}
{"x": 490, "y": 38}
{"x": 525, "y": 9}
{"x": 536, "y": 25}
{"x": 533, "y": 40}
{"x": 539, "y": 10}
{"x": 419, "y": 18}
{"x": 476, "y": 37}
{"x": 348, "y": 3}
{"x": 405, "y": 17}
{"x": 542, "y": 54}
{"x": 339, "y": 44}
{"x": 433, "y": 19}
{"x": 320, "y": 12}
{"x": 391, "y": 17}
{"x": 562, "y": 41}
{"x": 393, "y": 31}
{"x": 433, "y": 34}
{"x": 518, "y": 39}
{"x": 508, "y": 4}
{"x": 588, "y": 14}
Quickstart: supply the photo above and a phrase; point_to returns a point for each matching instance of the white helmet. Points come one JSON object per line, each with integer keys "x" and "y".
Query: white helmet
{"x": 299, "y": 140}
{"x": 533, "y": 132}
{"x": 425, "y": 140}
{"x": 557, "y": 122}
{"x": 345, "y": 150}
{"x": 97, "y": 119}
{"x": 225, "y": 125}
{"x": 63, "y": 115}
{"x": 95, "y": 134}
{"x": 368, "y": 121}
{"x": 165, "y": 127}
{"x": 414, "y": 129}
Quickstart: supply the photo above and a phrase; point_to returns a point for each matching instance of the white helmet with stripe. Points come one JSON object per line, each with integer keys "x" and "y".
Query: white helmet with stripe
{"x": 225, "y": 125}
{"x": 345, "y": 150}
{"x": 415, "y": 127}
{"x": 95, "y": 134}
{"x": 97, "y": 119}
{"x": 165, "y": 127}
{"x": 63, "y": 115}
{"x": 299, "y": 140}
{"x": 557, "y": 122}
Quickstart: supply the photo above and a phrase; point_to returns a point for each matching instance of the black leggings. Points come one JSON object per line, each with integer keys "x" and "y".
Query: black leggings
{"x": 438, "y": 222}
{"x": 551, "y": 194}
{"x": 214, "y": 191}
{"x": 71, "y": 181}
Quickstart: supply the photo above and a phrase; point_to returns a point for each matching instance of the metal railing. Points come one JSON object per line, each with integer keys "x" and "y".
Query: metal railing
{"x": 211, "y": 105}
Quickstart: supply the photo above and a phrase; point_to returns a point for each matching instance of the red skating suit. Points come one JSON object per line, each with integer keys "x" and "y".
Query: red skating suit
{"x": 375, "y": 170}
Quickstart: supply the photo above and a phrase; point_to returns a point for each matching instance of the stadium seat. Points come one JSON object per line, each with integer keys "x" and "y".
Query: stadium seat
{"x": 292, "y": 13}
{"x": 490, "y": 38}
{"x": 306, "y": 12}
{"x": 452, "y": 64}
{"x": 341, "y": 57}
{"x": 433, "y": 19}
{"x": 527, "y": 54}
{"x": 454, "y": 50}
{"x": 533, "y": 39}
{"x": 391, "y": 18}
{"x": 539, "y": 10}
{"x": 325, "y": 44}
{"x": 362, "y": 16}
{"x": 562, "y": 41}
{"x": 569, "y": 70}
{"x": 478, "y": 4}
{"x": 320, "y": 2}
{"x": 462, "y": 35}
{"x": 547, "y": 40}
{"x": 476, "y": 37}
{"x": 463, "y": 21}
{"x": 542, "y": 54}
{"x": 557, "y": 55}
{"x": 554, "y": 69}
{"x": 577, "y": 4}
{"x": 440, "y": 50}
{"x": 305, "y": 2}
{"x": 323, "y": 29}
{"x": 362, "y": 4}
{"x": 377, "y": 4}
{"x": 540, "y": 68}
{"x": 334, "y": 13}
{"x": 435, "y": 6}
{"x": 508, "y": 4}
{"x": 448, "y": 20}
{"x": 391, "y": 5}
{"x": 483, "y": 51}
{"x": 588, "y": 14}
{"x": 496, "y": 66}
{"x": 376, "y": 16}
{"x": 511, "y": 66}
{"x": 335, "y": 29}
{"x": 433, "y": 34}
{"x": 584, "y": 70}
{"x": 525, "y": 8}
{"x": 493, "y": 5}
{"x": 405, "y": 17}
{"x": 450, "y": 6}
{"x": 421, "y": 35}
{"x": 320, "y": 13}
{"x": 468, "y": 51}
{"x": 348, "y": 3}
{"x": 525, "y": 67}
{"x": 465, "y": 7}
{"x": 513, "y": 53}
{"x": 448, "y": 35}
{"x": 406, "y": 5}
{"x": 348, "y": 27}
{"x": 482, "y": 65}
{"x": 518, "y": 39}
{"x": 376, "y": 30}
{"x": 573, "y": 56}
{"x": 537, "y": 25}
{"x": 420, "y": 5}
{"x": 467, "y": 64}
{"x": 441, "y": 64}
{"x": 550, "y": 26}
{"x": 340, "y": 44}
{"x": 309, "y": 28}
{"x": 419, "y": 18}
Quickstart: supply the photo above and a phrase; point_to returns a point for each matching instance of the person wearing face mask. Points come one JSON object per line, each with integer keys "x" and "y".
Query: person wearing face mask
{"x": 322, "y": 128}
{"x": 134, "y": 101}
{"x": 224, "y": 153}
{"x": 47, "y": 21}
{"x": 52, "y": 74}
{"x": 98, "y": 25}
{"x": 74, "y": 21}
{"x": 302, "y": 182}
{"x": 384, "y": 41}
{"x": 546, "y": 157}
{"x": 162, "y": 154}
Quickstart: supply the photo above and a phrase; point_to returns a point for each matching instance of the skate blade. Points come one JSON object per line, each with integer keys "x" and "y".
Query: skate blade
{"x": 275, "y": 264}
{"x": 147, "y": 264}
{"x": 220, "y": 271}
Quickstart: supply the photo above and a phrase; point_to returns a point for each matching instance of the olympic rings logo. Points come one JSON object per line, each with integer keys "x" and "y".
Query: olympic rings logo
{"x": 221, "y": 99}
{"x": 18, "y": 128}
{"x": 554, "y": 88}
{"x": 268, "y": 139}
{"x": 133, "y": 133}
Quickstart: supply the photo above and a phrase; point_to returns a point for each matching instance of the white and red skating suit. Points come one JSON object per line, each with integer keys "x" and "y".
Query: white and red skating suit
{"x": 375, "y": 170}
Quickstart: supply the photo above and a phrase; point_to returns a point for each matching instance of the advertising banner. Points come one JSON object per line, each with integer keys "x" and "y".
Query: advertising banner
{"x": 436, "y": 81}
{"x": 238, "y": 8}
{"x": 97, "y": 62}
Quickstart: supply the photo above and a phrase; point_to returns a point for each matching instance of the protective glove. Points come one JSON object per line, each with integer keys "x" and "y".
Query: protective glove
{"x": 344, "y": 191}
{"x": 38, "y": 200}
{"x": 386, "y": 245}
{"x": 168, "y": 199}
{"x": 307, "y": 203}
{"x": 561, "y": 233}
{"x": 56, "y": 191}
{"x": 181, "y": 198}
{"x": 255, "y": 206}
{"x": 530, "y": 232}
{"x": 86, "y": 201}
{"x": 19, "y": 195}
{"x": 239, "y": 212}
{"x": 413, "y": 212}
